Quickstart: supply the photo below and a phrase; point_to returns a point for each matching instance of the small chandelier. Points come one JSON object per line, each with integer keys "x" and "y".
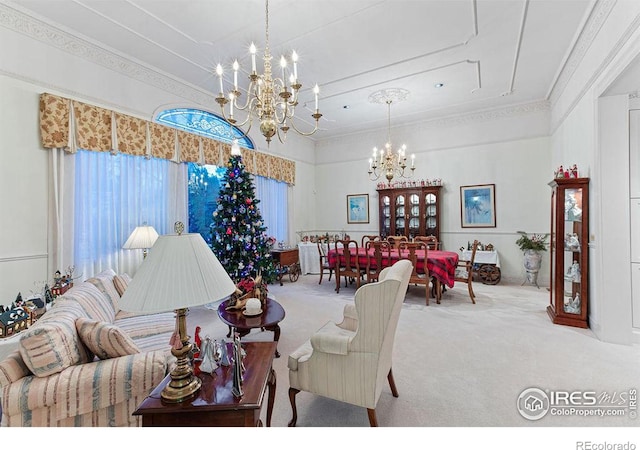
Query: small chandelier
{"x": 387, "y": 162}
{"x": 271, "y": 101}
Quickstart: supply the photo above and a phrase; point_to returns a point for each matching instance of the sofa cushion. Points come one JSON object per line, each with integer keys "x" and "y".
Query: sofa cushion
{"x": 104, "y": 339}
{"x": 95, "y": 303}
{"x": 52, "y": 343}
{"x": 121, "y": 282}
{"x": 104, "y": 282}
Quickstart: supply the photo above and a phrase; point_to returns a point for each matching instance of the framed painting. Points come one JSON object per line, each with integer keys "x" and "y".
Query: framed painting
{"x": 478, "y": 206}
{"x": 358, "y": 208}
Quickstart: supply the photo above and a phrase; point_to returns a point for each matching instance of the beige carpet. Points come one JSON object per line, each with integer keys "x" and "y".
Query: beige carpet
{"x": 455, "y": 364}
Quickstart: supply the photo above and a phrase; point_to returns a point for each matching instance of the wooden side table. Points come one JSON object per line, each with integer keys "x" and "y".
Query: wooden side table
{"x": 287, "y": 262}
{"x": 268, "y": 320}
{"x": 214, "y": 405}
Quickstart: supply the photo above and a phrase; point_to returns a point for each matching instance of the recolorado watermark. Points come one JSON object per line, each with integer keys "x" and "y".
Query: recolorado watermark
{"x": 588, "y": 445}
{"x": 534, "y": 404}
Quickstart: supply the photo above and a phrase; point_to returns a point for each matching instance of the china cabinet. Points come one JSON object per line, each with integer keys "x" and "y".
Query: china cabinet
{"x": 569, "y": 252}
{"x": 410, "y": 212}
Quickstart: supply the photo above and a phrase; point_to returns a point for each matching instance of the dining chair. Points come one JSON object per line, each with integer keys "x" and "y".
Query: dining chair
{"x": 420, "y": 271}
{"x": 347, "y": 263}
{"x": 367, "y": 238}
{"x": 464, "y": 271}
{"x": 378, "y": 255}
{"x": 431, "y": 241}
{"x": 324, "y": 262}
{"x": 395, "y": 240}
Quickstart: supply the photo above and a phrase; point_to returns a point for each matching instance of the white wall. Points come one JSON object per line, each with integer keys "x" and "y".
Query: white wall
{"x": 509, "y": 150}
{"x": 593, "y": 132}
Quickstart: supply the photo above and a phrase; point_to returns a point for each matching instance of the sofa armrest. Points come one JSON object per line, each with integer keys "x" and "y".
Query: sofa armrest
{"x": 87, "y": 387}
{"x": 12, "y": 368}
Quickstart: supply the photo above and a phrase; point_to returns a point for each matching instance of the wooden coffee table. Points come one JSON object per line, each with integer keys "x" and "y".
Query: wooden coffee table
{"x": 214, "y": 405}
{"x": 269, "y": 319}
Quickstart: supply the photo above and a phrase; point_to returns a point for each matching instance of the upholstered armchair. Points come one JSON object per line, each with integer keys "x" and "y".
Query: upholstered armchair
{"x": 350, "y": 361}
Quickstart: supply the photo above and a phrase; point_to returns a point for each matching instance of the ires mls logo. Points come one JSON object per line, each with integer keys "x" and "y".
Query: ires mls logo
{"x": 535, "y": 403}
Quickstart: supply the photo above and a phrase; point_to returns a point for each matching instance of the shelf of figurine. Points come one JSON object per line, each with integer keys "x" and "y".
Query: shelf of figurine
{"x": 570, "y": 172}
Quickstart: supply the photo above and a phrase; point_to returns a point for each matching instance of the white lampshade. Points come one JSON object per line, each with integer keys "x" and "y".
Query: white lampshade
{"x": 142, "y": 237}
{"x": 180, "y": 272}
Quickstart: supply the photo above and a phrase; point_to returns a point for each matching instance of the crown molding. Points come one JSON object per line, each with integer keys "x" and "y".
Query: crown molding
{"x": 11, "y": 17}
{"x": 597, "y": 17}
{"x": 487, "y": 115}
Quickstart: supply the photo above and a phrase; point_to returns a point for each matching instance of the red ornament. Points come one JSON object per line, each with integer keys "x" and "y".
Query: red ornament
{"x": 229, "y": 231}
{"x": 248, "y": 201}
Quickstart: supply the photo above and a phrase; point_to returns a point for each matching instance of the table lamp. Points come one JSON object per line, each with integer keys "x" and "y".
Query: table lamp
{"x": 180, "y": 272}
{"x": 142, "y": 237}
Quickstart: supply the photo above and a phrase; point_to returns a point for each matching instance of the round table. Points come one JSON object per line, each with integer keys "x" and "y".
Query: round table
{"x": 269, "y": 319}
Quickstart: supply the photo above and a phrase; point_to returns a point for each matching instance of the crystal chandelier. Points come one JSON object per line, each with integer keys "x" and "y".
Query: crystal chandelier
{"x": 388, "y": 163}
{"x": 271, "y": 101}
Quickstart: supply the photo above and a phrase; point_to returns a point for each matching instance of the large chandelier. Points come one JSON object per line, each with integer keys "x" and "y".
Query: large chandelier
{"x": 387, "y": 162}
{"x": 271, "y": 101}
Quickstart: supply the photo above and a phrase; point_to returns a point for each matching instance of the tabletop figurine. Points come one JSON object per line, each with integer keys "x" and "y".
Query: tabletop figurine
{"x": 224, "y": 360}
{"x": 208, "y": 364}
{"x": 237, "y": 366}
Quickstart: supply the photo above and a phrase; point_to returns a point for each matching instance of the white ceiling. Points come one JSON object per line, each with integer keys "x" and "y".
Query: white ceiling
{"x": 488, "y": 53}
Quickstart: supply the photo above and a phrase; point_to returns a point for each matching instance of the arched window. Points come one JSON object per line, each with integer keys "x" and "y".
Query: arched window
{"x": 204, "y": 123}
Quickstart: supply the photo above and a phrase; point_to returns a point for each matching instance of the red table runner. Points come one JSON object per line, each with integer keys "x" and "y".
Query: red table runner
{"x": 441, "y": 264}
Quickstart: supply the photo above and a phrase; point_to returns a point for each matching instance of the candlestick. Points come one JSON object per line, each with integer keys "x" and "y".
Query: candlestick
{"x": 294, "y": 58}
{"x": 316, "y": 91}
{"x": 236, "y": 66}
{"x": 219, "y": 72}
{"x": 252, "y": 50}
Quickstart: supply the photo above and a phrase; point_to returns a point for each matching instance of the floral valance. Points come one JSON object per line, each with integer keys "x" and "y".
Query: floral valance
{"x": 72, "y": 125}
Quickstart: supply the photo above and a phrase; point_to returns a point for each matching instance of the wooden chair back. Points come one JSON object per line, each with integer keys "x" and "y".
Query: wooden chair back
{"x": 324, "y": 262}
{"x": 378, "y": 254}
{"x": 464, "y": 271}
{"x": 367, "y": 238}
{"x": 431, "y": 241}
{"x": 347, "y": 262}
{"x": 409, "y": 250}
{"x": 396, "y": 240}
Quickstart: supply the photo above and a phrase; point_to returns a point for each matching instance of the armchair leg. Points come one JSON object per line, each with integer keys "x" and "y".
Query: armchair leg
{"x": 321, "y": 274}
{"x": 292, "y": 399}
{"x": 372, "y": 417}
{"x": 392, "y": 384}
{"x": 471, "y": 294}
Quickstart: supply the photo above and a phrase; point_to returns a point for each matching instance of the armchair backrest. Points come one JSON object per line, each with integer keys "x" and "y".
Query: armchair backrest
{"x": 378, "y": 308}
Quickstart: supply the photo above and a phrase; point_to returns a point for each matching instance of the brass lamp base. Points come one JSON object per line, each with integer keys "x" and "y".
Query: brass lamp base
{"x": 183, "y": 384}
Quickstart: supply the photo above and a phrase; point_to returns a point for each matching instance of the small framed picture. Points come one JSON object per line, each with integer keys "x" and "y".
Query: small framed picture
{"x": 358, "y": 208}
{"x": 478, "y": 206}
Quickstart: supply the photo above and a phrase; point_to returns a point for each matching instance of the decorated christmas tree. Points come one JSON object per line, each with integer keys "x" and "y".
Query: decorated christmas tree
{"x": 238, "y": 234}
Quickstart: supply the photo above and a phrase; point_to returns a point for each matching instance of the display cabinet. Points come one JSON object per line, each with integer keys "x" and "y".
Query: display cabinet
{"x": 569, "y": 252}
{"x": 410, "y": 212}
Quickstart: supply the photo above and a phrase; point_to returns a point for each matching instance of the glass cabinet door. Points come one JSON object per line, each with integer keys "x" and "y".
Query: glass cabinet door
{"x": 431, "y": 212}
{"x": 573, "y": 241}
{"x": 399, "y": 214}
{"x": 385, "y": 215}
{"x": 414, "y": 215}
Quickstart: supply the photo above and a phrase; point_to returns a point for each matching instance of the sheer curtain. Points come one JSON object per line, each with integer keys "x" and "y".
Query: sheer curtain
{"x": 274, "y": 206}
{"x": 113, "y": 195}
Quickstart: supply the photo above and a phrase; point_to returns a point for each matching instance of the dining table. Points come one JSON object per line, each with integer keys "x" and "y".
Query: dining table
{"x": 441, "y": 264}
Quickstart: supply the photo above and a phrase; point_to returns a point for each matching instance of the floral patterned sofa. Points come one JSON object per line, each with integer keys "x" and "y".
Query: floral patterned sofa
{"x": 86, "y": 362}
